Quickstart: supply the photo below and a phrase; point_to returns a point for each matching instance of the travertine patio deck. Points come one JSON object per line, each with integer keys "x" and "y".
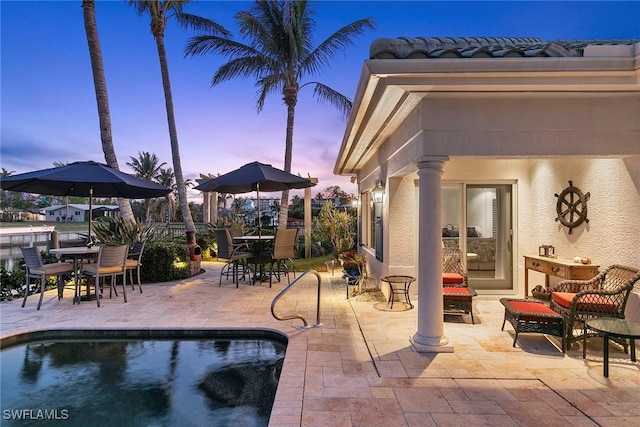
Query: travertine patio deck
{"x": 358, "y": 368}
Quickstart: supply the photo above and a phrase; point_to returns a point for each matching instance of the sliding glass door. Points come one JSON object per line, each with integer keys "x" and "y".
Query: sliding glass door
{"x": 477, "y": 218}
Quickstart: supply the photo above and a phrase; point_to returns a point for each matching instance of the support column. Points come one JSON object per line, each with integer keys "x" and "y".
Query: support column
{"x": 206, "y": 216}
{"x": 307, "y": 219}
{"x": 430, "y": 334}
{"x": 213, "y": 207}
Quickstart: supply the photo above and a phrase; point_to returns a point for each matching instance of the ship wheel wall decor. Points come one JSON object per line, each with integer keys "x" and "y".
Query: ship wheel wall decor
{"x": 572, "y": 207}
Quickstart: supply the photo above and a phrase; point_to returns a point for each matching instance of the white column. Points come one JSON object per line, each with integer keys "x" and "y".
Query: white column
{"x": 307, "y": 219}
{"x": 430, "y": 334}
{"x": 213, "y": 207}
{"x": 206, "y": 216}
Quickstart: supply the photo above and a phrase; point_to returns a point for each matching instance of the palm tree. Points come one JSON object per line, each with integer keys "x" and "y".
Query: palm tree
{"x": 146, "y": 166}
{"x": 160, "y": 12}
{"x": 279, "y": 54}
{"x": 166, "y": 178}
{"x": 100, "y": 85}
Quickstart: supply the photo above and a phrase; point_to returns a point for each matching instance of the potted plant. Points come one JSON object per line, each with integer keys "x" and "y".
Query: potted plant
{"x": 352, "y": 264}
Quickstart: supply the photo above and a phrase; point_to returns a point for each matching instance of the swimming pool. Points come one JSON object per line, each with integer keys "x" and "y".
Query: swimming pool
{"x": 142, "y": 378}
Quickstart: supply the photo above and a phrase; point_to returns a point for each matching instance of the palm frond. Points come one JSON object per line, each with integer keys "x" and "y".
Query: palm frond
{"x": 325, "y": 94}
{"x": 266, "y": 85}
{"x": 156, "y": 8}
{"x": 244, "y": 67}
{"x": 261, "y": 33}
{"x": 141, "y": 6}
{"x": 198, "y": 23}
{"x": 199, "y": 45}
{"x": 320, "y": 57}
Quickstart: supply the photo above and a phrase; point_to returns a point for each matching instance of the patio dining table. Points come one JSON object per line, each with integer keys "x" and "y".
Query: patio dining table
{"x": 76, "y": 253}
{"x": 257, "y": 244}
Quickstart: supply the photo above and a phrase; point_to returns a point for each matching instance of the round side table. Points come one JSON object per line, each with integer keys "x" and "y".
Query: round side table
{"x": 399, "y": 285}
{"x": 616, "y": 328}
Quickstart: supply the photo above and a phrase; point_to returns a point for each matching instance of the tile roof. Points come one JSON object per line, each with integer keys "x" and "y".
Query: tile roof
{"x": 481, "y": 47}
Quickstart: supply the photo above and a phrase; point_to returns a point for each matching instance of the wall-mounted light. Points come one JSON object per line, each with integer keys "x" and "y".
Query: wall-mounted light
{"x": 378, "y": 192}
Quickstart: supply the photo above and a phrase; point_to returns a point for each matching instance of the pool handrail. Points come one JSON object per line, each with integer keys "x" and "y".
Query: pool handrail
{"x": 296, "y": 315}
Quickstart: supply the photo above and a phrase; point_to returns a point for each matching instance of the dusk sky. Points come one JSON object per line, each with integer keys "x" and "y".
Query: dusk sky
{"x": 48, "y": 108}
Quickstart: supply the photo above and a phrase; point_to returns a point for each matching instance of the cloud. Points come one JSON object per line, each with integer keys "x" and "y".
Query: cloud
{"x": 23, "y": 152}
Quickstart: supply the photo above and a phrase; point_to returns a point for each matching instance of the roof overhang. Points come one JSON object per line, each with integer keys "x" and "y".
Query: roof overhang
{"x": 390, "y": 89}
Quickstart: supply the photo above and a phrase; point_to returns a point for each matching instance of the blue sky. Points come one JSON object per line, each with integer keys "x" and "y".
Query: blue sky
{"x": 48, "y": 109}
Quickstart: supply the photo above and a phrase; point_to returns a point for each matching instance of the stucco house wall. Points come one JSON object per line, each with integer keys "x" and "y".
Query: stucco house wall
{"x": 613, "y": 232}
{"x": 612, "y": 235}
{"x": 400, "y": 214}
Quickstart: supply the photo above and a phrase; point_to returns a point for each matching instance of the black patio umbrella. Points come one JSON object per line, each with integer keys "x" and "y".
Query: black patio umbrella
{"x": 84, "y": 179}
{"x": 256, "y": 177}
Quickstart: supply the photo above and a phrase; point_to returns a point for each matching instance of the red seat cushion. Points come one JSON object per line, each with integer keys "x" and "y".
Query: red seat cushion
{"x": 589, "y": 302}
{"x": 535, "y": 311}
{"x": 452, "y": 278}
{"x": 563, "y": 298}
{"x": 530, "y": 307}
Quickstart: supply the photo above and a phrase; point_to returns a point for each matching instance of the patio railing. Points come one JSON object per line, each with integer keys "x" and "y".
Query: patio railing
{"x": 179, "y": 229}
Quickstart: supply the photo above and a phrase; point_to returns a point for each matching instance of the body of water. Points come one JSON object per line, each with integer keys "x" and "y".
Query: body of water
{"x": 150, "y": 382}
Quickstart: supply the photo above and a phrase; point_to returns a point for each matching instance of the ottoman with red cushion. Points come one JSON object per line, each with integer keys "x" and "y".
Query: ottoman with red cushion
{"x": 455, "y": 279}
{"x": 526, "y": 315}
{"x": 458, "y": 300}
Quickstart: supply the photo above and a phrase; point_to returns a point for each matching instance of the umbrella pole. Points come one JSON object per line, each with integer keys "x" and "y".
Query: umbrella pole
{"x": 259, "y": 220}
{"x": 89, "y": 241}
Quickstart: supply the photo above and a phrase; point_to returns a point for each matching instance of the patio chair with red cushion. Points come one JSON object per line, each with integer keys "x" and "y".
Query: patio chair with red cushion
{"x": 453, "y": 271}
{"x": 605, "y": 295}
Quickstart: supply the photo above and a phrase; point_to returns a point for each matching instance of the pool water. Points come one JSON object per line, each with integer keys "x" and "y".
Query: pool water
{"x": 152, "y": 382}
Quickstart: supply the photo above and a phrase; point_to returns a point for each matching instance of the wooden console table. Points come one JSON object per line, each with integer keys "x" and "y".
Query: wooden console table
{"x": 558, "y": 267}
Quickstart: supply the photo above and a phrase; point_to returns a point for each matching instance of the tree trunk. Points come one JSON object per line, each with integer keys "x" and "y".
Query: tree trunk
{"x": 100, "y": 84}
{"x": 291, "y": 97}
{"x": 173, "y": 133}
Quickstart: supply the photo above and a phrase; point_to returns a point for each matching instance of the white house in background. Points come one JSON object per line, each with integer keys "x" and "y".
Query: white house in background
{"x": 78, "y": 212}
{"x": 473, "y": 141}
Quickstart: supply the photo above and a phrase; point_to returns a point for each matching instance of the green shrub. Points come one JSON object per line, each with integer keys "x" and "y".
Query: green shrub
{"x": 229, "y": 220}
{"x": 165, "y": 261}
{"x": 335, "y": 228}
{"x": 164, "y": 258}
{"x": 119, "y": 231}
{"x": 11, "y": 280}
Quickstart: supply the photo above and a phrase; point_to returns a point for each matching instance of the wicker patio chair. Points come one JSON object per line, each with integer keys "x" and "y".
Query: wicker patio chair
{"x": 236, "y": 232}
{"x": 134, "y": 262}
{"x": 453, "y": 271}
{"x": 237, "y": 259}
{"x": 110, "y": 263}
{"x": 605, "y": 295}
{"x": 36, "y": 269}
{"x": 283, "y": 253}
